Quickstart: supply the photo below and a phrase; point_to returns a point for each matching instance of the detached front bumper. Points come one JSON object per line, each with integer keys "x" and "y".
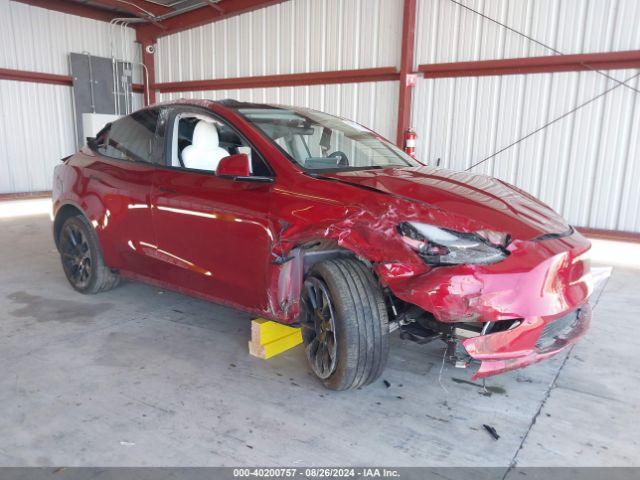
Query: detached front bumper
{"x": 532, "y": 341}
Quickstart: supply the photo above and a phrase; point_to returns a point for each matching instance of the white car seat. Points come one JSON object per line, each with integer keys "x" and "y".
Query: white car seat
{"x": 205, "y": 152}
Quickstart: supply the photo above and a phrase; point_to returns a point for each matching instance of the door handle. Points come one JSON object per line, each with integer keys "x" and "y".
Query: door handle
{"x": 166, "y": 190}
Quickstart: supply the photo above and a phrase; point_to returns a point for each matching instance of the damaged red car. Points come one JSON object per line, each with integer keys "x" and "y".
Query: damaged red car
{"x": 309, "y": 219}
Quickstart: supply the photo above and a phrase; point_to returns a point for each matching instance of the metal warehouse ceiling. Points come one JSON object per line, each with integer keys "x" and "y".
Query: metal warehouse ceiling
{"x": 147, "y": 9}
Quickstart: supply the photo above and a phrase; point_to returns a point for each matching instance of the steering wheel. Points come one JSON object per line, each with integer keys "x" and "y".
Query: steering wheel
{"x": 341, "y": 158}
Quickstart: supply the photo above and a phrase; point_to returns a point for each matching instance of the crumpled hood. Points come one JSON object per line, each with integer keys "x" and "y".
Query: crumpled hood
{"x": 491, "y": 202}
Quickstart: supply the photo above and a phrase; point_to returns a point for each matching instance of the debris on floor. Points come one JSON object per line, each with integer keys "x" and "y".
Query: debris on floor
{"x": 491, "y": 430}
{"x": 484, "y": 390}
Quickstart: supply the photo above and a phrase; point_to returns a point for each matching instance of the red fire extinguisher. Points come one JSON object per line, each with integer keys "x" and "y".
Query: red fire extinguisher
{"x": 410, "y": 142}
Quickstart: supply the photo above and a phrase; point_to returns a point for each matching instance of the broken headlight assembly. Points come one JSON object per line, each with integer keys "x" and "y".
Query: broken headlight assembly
{"x": 439, "y": 246}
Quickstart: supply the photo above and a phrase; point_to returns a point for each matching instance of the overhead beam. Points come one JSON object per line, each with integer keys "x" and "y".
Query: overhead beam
{"x": 546, "y": 64}
{"x": 285, "y": 80}
{"x": 72, "y": 8}
{"x": 406, "y": 67}
{"x": 202, "y": 16}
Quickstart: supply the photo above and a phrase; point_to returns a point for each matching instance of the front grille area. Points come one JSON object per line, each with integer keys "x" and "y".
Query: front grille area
{"x": 556, "y": 332}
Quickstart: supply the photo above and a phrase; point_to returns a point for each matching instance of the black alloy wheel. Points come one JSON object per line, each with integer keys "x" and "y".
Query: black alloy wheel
{"x": 319, "y": 328}
{"x": 81, "y": 257}
{"x": 76, "y": 255}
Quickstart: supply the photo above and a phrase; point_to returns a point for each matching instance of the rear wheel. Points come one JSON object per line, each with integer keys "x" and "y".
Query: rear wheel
{"x": 81, "y": 257}
{"x": 344, "y": 324}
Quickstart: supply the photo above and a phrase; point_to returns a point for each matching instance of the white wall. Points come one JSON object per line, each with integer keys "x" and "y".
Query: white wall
{"x": 40, "y": 40}
{"x": 36, "y": 120}
{"x": 36, "y": 130}
{"x": 585, "y": 165}
{"x": 449, "y": 33}
{"x": 291, "y": 37}
{"x": 297, "y": 36}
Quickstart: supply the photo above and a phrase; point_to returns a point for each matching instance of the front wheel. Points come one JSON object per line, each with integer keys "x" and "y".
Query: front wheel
{"x": 344, "y": 324}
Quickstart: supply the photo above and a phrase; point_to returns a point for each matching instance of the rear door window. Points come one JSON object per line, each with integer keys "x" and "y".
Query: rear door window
{"x": 138, "y": 137}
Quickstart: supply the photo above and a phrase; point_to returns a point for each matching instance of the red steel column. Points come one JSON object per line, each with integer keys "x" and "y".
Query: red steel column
{"x": 148, "y": 46}
{"x": 406, "y": 68}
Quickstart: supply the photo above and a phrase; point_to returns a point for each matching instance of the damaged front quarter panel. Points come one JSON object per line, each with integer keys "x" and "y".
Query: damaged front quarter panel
{"x": 542, "y": 279}
{"x": 358, "y": 232}
{"x": 367, "y": 230}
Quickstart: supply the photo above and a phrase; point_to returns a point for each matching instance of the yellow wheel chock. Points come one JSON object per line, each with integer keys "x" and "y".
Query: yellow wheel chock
{"x": 270, "y": 338}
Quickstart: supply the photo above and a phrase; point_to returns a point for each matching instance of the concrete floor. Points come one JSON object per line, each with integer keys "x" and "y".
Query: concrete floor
{"x": 142, "y": 377}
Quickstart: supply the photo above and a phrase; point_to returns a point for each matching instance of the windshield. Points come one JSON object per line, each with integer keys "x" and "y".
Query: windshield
{"x": 318, "y": 141}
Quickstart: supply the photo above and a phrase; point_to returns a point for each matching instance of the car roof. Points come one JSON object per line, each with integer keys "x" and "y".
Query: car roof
{"x": 227, "y": 103}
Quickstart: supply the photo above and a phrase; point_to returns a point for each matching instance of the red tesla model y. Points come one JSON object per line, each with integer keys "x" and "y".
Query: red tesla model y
{"x": 309, "y": 219}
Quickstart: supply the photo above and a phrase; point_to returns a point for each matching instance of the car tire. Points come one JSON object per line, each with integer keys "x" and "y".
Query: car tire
{"x": 82, "y": 262}
{"x": 354, "y": 326}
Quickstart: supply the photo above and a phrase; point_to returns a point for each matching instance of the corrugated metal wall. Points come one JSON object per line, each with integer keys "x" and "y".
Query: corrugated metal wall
{"x": 36, "y": 124}
{"x": 585, "y": 165}
{"x": 448, "y": 32}
{"x": 40, "y": 40}
{"x": 296, "y": 37}
{"x": 36, "y": 130}
{"x": 292, "y": 37}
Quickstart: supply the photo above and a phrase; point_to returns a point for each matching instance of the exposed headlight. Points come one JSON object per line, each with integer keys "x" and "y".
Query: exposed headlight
{"x": 438, "y": 246}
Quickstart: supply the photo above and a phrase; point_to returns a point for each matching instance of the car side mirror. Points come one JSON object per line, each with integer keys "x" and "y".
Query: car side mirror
{"x": 234, "y": 166}
{"x": 238, "y": 167}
